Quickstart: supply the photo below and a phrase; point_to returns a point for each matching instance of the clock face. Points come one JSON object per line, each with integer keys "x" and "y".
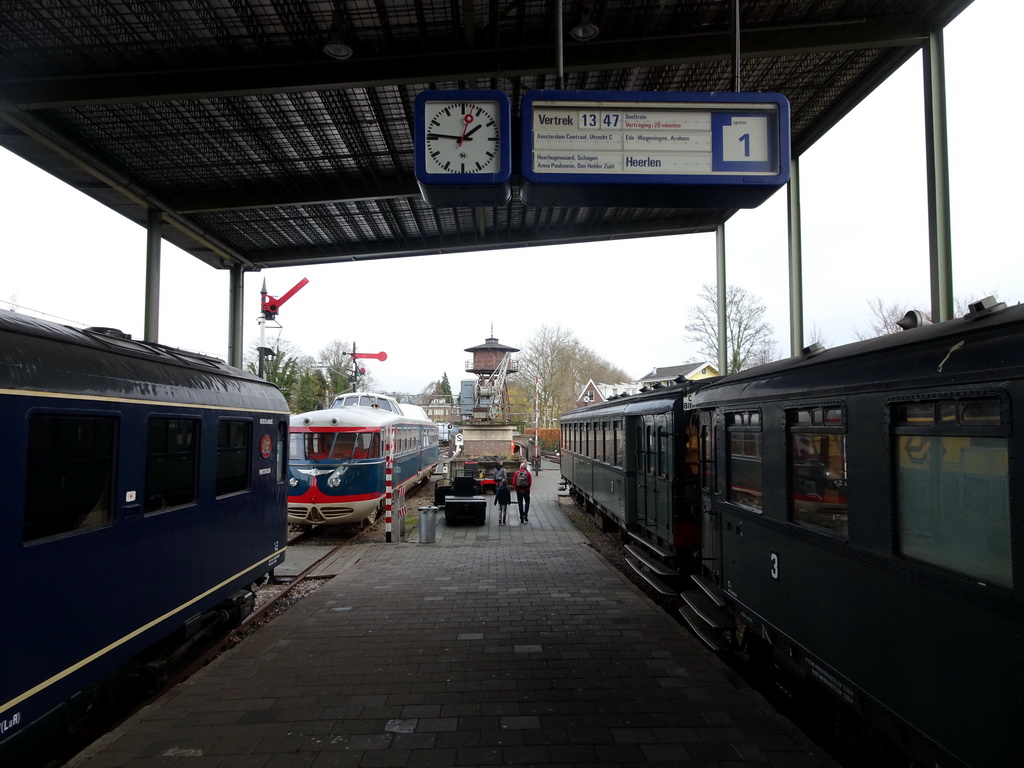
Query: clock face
{"x": 462, "y": 137}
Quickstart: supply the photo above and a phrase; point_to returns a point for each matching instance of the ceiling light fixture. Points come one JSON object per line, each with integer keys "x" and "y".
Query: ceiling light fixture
{"x": 336, "y": 47}
{"x": 585, "y": 31}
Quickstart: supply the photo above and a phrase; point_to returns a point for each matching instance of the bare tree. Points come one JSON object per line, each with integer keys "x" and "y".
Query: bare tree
{"x": 750, "y": 339}
{"x": 556, "y": 359}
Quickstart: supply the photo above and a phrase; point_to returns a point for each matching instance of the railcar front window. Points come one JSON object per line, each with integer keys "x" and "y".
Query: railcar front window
{"x": 743, "y": 447}
{"x": 952, "y": 487}
{"x": 234, "y": 439}
{"x": 171, "y": 463}
{"x": 367, "y": 445}
{"x": 817, "y": 468}
{"x": 69, "y": 474}
{"x": 344, "y": 442}
{"x": 316, "y": 446}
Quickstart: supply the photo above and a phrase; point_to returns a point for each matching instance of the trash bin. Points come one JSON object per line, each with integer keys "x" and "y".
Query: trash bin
{"x": 428, "y": 525}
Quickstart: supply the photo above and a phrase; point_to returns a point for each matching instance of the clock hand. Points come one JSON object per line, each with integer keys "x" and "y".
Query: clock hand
{"x": 444, "y": 136}
{"x": 465, "y": 124}
{"x": 469, "y": 133}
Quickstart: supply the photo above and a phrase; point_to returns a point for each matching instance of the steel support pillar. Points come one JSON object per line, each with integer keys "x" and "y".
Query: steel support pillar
{"x": 154, "y": 232}
{"x": 940, "y": 247}
{"x": 235, "y": 296}
{"x": 723, "y": 333}
{"x": 796, "y": 280}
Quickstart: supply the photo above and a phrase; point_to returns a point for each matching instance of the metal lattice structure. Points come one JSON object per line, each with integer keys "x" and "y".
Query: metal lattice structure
{"x": 257, "y": 149}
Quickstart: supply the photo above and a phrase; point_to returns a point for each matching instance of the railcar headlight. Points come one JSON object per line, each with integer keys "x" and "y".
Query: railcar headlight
{"x": 292, "y": 482}
{"x": 334, "y": 480}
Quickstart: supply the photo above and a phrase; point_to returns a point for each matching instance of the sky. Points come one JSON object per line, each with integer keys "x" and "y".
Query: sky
{"x": 864, "y": 238}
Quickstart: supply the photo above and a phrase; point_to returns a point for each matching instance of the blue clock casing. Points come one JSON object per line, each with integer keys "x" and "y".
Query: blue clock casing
{"x": 463, "y": 147}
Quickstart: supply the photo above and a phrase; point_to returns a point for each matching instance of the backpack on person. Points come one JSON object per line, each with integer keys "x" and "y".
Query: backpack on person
{"x": 522, "y": 479}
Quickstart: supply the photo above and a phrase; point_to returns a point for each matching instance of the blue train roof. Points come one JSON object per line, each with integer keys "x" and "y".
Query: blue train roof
{"x": 41, "y": 356}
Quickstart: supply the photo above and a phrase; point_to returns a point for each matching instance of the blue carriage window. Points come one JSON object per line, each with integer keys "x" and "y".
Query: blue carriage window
{"x": 282, "y": 456}
{"x": 234, "y": 441}
{"x": 171, "y": 452}
{"x": 69, "y": 474}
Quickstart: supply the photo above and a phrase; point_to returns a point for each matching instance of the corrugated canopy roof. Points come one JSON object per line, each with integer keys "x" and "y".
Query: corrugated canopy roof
{"x": 257, "y": 148}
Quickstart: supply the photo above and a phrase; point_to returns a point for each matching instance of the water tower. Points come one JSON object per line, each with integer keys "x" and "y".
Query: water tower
{"x": 483, "y": 405}
{"x": 486, "y": 398}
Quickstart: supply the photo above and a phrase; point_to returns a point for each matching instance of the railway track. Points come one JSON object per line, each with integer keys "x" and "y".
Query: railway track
{"x": 273, "y": 597}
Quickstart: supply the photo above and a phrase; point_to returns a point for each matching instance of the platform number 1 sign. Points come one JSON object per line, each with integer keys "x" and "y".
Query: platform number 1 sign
{"x": 745, "y": 140}
{"x": 744, "y": 143}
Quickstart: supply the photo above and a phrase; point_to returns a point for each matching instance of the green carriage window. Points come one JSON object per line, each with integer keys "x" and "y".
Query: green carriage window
{"x": 817, "y": 469}
{"x": 743, "y": 459}
{"x": 952, "y": 486}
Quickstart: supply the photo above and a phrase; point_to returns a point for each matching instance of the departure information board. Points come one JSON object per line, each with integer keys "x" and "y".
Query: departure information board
{"x": 685, "y": 149}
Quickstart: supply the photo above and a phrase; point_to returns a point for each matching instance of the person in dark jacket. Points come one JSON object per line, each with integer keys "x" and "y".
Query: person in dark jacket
{"x": 502, "y": 497}
{"x": 500, "y": 476}
{"x": 523, "y": 480}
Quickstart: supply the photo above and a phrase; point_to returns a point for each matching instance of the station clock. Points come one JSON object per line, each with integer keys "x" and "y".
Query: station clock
{"x": 463, "y": 148}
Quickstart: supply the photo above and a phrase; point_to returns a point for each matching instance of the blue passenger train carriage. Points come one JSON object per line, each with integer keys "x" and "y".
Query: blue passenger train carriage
{"x": 143, "y": 492}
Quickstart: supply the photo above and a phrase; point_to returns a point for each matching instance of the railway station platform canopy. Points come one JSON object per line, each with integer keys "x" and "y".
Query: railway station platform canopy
{"x": 228, "y": 127}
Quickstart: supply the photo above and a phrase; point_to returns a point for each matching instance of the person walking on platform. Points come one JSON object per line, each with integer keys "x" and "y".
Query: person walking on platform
{"x": 502, "y": 497}
{"x": 522, "y": 480}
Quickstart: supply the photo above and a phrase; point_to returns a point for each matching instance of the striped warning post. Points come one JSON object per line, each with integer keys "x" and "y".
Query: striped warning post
{"x": 389, "y": 463}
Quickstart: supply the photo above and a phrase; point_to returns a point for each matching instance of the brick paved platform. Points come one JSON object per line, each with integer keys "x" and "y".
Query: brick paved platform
{"x": 497, "y": 645}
